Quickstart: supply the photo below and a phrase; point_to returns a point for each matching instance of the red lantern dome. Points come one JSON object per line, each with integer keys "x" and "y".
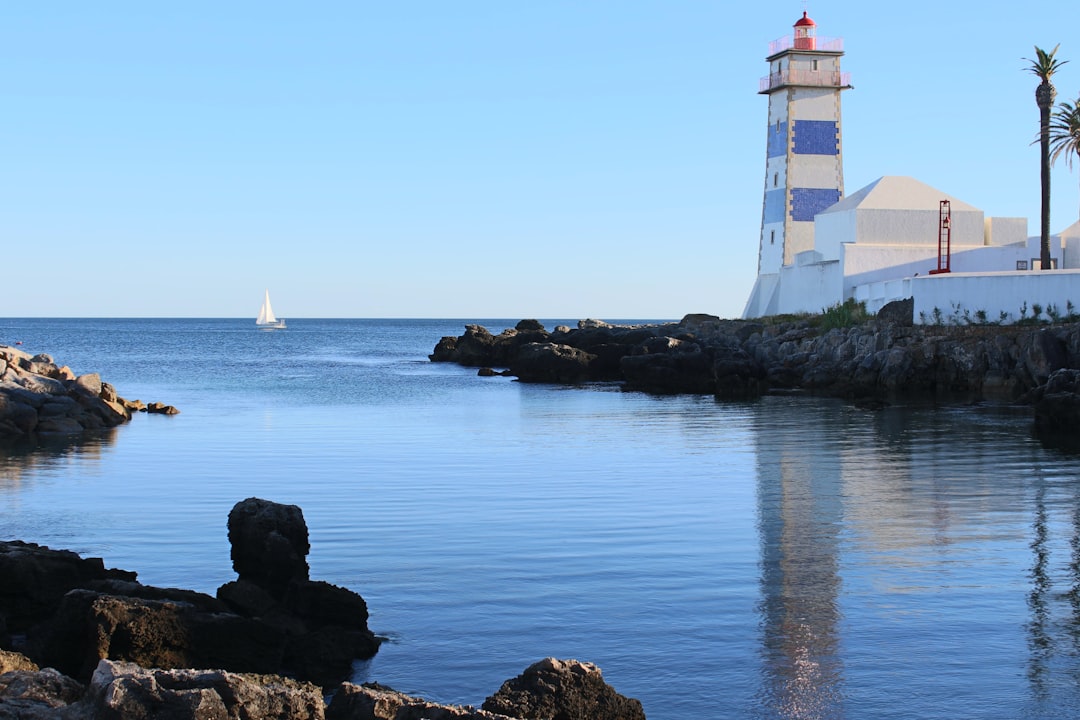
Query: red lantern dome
{"x": 805, "y": 29}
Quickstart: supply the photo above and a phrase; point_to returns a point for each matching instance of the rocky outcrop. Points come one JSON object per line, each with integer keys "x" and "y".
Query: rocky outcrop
{"x": 883, "y": 358}
{"x": 325, "y": 626}
{"x": 562, "y": 690}
{"x": 555, "y": 689}
{"x": 40, "y": 398}
{"x": 68, "y": 612}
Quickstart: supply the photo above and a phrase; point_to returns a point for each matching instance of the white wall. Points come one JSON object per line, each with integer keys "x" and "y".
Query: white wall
{"x": 810, "y": 288}
{"x": 1005, "y": 231}
{"x": 917, "y": 227}
{"x": 994, "y": 293}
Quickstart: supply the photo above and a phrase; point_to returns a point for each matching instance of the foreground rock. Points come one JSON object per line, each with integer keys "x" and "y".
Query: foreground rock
{"x": 562, "y": 690}
{"x": 67, "y": 612}
{"x": 39, "y": 397}
{"x": 555, "y": 689}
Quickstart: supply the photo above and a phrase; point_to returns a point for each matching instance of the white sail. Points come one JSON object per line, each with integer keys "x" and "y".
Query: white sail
{"x": 266, "y": 317}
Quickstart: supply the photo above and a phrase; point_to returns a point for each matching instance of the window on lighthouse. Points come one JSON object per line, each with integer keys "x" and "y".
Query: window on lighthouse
{"x": 775, "y": 179}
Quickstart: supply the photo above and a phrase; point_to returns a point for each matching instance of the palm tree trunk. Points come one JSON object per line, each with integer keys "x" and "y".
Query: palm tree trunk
{"x": 1044, "y": 96}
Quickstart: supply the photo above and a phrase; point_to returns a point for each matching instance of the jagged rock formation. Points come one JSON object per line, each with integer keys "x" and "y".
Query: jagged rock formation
{"x": 39, "y": 397}
{"x": 68, "y": 612}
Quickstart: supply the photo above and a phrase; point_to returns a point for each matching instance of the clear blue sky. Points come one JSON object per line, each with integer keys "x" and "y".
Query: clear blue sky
{"x": 468, "y": 159}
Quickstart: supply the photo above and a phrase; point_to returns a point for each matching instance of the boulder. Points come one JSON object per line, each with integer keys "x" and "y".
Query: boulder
{"x": 898, "y": 312}
{"x": 669, "y": 365}
{"x": 269, "y": 544}
{"x": 34, "y": 694}
{"x": 124, "y": 691}
{"x": 90, "y": 626}
{"x": 324, "y": 626}
{"x": 562, "y": 690}
{"x": 551, "y": 363}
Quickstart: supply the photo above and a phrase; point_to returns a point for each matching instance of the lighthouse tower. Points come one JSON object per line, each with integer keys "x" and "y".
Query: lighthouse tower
{"x": 804, "y": 165}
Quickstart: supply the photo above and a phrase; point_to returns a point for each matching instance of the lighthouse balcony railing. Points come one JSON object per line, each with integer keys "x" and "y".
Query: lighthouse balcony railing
{"x": 823, "y": 44}
{"x": 805, "y": 78}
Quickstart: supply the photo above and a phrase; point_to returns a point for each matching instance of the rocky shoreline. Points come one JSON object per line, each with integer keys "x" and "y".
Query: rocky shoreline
{"x": 40, "y": 398}
{"x": 871, "y": 363}
{"x": 80, "y": 641}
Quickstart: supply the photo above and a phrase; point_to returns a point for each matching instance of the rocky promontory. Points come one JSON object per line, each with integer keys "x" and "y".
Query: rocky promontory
{"x": 40, "y": 397}
{"x": 80, "y": 641}
{"x": 872, "y": 361}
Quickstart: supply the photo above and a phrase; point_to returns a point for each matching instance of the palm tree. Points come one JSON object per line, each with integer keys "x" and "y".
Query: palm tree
{"x": 1065, "y": 133}
{"x": 1043, "y": 67}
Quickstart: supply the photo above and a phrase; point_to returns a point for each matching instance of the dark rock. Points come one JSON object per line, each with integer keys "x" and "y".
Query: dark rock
{"x": 529, "y": 326}
{"x": 669, "y": 365}
{"x": 562, "y": 690}
{"x": 269, "y": 544}
{"x": 36, "y": 578}
{"x": 898, "y": 312}
{"x": 1057, "y": 409}
{"x": 736, "y": 375}
{"x": 551, "y": 363}
{"x": 324, "y": 626}
{"x": 445, "y": 350}
{"x": 90, "y": 626}
{"x": 475, "y": 348}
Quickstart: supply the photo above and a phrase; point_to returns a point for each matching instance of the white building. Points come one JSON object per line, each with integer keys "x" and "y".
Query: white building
{"x": 893, "y": 239}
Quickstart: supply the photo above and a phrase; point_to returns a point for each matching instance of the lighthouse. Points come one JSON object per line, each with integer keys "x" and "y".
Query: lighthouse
{"x": 804, "y": 170}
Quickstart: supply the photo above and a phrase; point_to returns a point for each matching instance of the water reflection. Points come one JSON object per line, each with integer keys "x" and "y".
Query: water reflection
{"x": 928, "y": 544}
{"x": 799, "y": 519}
{"x": 28, "y": 458}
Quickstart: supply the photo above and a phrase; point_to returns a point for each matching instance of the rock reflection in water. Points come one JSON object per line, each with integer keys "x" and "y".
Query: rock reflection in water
{"x": 19, "y": 458}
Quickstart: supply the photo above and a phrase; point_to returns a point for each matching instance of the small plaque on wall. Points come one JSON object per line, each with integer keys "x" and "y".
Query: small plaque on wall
{"x": 1021, "y": 265}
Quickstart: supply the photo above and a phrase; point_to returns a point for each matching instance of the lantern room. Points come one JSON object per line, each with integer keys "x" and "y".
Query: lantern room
{"x": 805, "y": 31}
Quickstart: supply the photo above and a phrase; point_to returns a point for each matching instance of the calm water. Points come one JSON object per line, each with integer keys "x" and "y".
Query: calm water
{"x": 789, "y": 558}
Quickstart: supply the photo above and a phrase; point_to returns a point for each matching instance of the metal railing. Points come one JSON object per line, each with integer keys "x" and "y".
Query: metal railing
{"x": 820, "y": 43}
{"x": 806, "y": 78}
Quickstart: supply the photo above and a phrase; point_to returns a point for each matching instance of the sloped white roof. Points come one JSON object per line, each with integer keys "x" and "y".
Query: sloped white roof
{"x": 1071, "y": 231}
{"x": 898, "y": 192}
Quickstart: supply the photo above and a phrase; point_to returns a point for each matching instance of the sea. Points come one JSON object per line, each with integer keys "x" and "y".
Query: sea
{"x": 790, "y": 557}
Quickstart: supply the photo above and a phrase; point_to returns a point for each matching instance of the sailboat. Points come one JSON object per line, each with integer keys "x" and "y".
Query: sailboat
{"x": 266, "y": 319}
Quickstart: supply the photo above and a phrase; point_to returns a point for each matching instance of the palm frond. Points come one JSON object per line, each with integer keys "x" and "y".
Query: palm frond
{"x": 1045, "y": 64}
{"x": 1065, "y": 133}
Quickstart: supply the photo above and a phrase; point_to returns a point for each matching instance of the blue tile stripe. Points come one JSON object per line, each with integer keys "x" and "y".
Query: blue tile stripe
{"x": 816, "y": 137}
{"x": 808, "y": 202}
